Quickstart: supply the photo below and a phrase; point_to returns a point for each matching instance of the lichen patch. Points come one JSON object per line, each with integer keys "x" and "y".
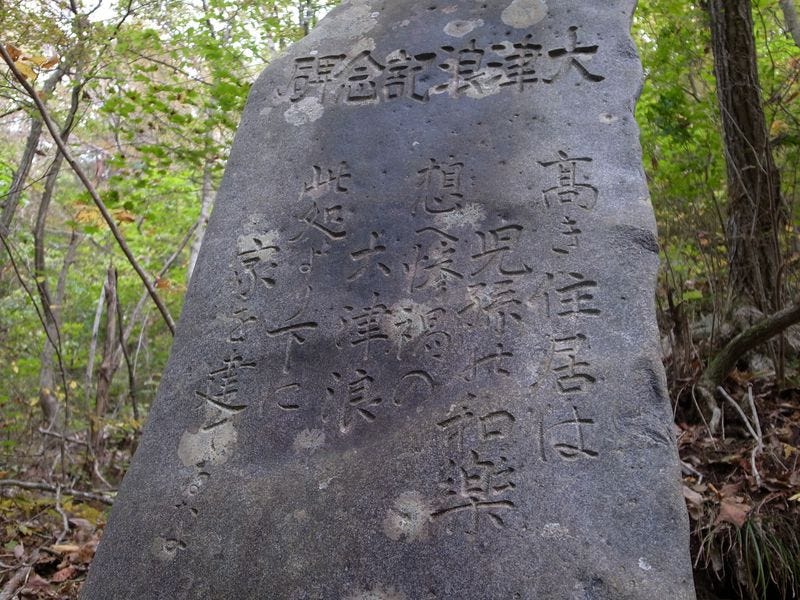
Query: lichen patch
{"x": 309, "y": 440}
{"x": 211, "y": 446}
{"x": 407, "y": 518}
{"x": 460, "y": 28}
{"x": 304, "y": 112}
{"x": 524, "y": 13}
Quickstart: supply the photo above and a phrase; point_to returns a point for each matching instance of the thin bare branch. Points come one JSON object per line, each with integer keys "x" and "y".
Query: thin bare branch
{"x": 89, "y": 188}
{"x": 46, "y": 487}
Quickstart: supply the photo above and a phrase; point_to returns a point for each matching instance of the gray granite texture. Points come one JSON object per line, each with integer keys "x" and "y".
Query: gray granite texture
{"x": 418, "y": 357}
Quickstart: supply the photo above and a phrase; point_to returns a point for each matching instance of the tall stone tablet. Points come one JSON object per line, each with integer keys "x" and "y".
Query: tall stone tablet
{"x": 418, "y": 358}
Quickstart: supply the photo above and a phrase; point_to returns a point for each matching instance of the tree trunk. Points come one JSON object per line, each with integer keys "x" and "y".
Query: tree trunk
{"x": 47, "y": 371}
{"x": 47, "y": 397}
{"x": 32, "y": 143}
{"x": 790, "y": 19}
{"x": 108, "y": 367}
{"x": 206, "y": 204}
{"x": 756, "y": 215}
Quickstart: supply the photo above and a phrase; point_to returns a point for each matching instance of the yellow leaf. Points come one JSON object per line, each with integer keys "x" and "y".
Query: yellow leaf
{"x": 25, "y": 70}
{"x": 51, "y": 62}
{"x": 14, "y": 367}
{"x": 37, "y": 59}
{"x": 795, "y": 498}
{"x": 778, "y": 127}
{"x": 123, "y": 216}
{"x": 788, "y": 450}
{"x": 89, "y": 215}
{"x": 65, "y": 548}
{"x": 73, "y": 384}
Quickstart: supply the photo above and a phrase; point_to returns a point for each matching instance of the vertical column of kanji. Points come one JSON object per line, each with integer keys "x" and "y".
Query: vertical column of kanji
{"x": 462, "y": 306}
{"x": 221, "y": 402}
{"x": 566, "y": 394}
{"x": 316, "y": 227}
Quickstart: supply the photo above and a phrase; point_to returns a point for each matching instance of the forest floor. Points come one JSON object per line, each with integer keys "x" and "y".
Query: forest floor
{"x": 744, "y": 520}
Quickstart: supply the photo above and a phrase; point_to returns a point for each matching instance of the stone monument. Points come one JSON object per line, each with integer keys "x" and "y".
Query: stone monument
{"x": 418, "y": 358}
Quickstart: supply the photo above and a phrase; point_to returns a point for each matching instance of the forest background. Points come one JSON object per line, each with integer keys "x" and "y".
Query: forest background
{"x": 145, "y": 96}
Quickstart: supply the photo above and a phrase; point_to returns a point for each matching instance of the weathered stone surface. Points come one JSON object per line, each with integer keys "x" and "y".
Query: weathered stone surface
{"x": 418, "y": 357}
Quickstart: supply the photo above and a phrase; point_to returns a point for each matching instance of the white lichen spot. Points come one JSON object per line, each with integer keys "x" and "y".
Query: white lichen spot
{"x": 355, "y": 21}
{"x": 323, "y": 485}
{"x": 366, "y": 44}
{"x": 377, "y": 593}
{"x": 167, "y": 549}
{"x": 524, "y": 13}
{"x": 555, "y": 531}
{"x": 213, "y": 446}
{"x": 306, "y": 111}
{"x": 461, "y": 28}
{"x": 471, "y": 215}
{"x": 300, "y": 516}
{"x": 608, "y": 118}
{"x": 408, "y": 322}
{"x": 644, "y": 565}
{"x": 309, "y": 440}
{"x": 407, "y": 518}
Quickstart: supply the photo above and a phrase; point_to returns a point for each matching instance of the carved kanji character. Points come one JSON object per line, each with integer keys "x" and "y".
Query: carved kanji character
{"x": 358, "y": 79}
{"x": 313, "y": 76}
{"x": 244, "y": 318}
{"x": 434, "y": 266}
{"x": 572, "y": 293}
{"x": 296, "y": 335}
{"x": 572, "y": 374}
{"x": 571, "y": 57}
{"x": 354, "y": 397}
{"x": 498, "y": 303}
{"x": 464, "y": 69}
{"x": 567, "y": 436}
{"x": 469, "y": 426}
{"x": 257, "y": 256}
{"x": 367, "y": 325}
{"x": 568, "y": 191}
{"x": 326, "y": 180}
{"x": 220, "y": 391}
{"x": 495, "y": 247}
{"x": 328, "y": 220}
{"x": 366, "y": 256}
{"x": 401, "y": 75}
{"x": 517, "y": 65}
{"x": 571, "y": 233}
{"x": 480, "y": 485}
{"x": 493, "y": 362}
{"x": 439, "y": 187}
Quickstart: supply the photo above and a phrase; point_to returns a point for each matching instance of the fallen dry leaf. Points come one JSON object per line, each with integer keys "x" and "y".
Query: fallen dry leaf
{"x": 65, "y": 548}
{"x": 729, "y": 490}
{"x": 64, "y": 574}
{"x": 691, "y": 496}
{"x": 732, "y": 512}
